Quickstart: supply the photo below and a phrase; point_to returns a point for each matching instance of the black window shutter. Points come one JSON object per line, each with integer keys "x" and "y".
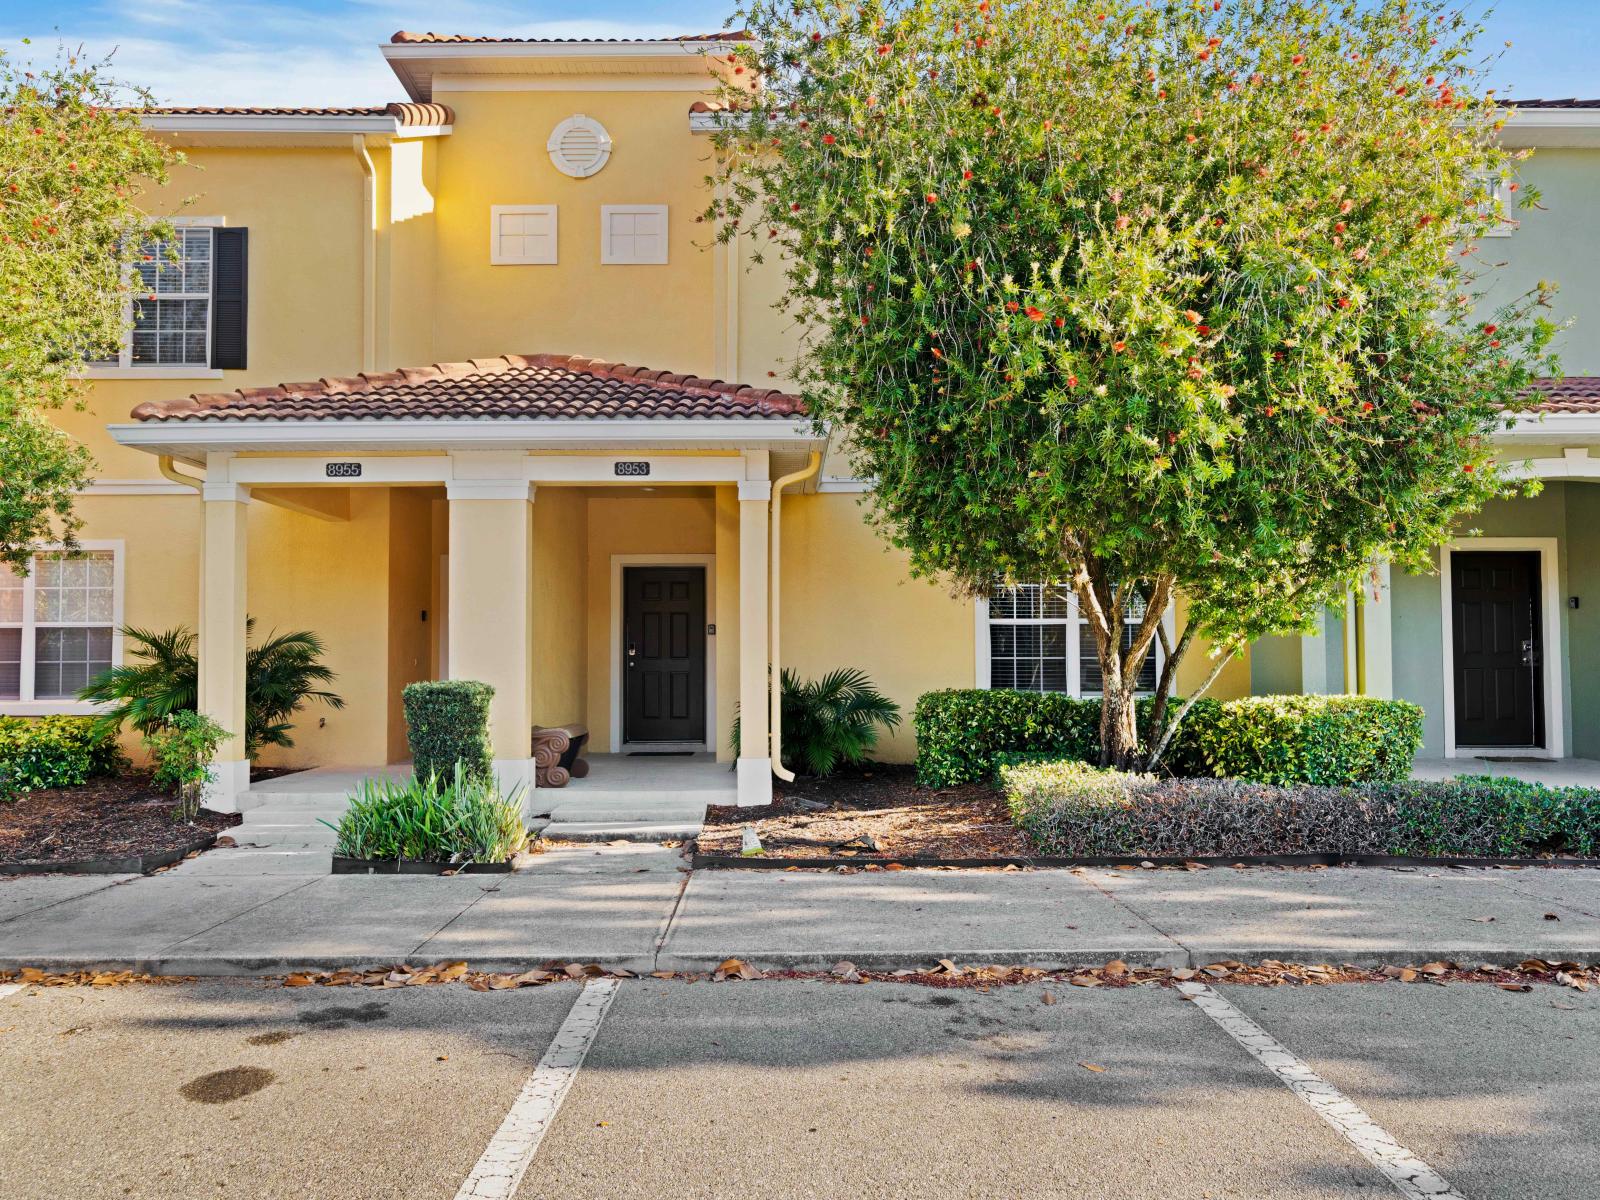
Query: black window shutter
{"x": 229, "y": 295}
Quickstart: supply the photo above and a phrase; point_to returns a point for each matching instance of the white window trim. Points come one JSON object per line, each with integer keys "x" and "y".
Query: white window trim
{"x": 29, "y": 707}
{"x": 1555, "y": 656}
{"x": 496, "y": 211}
{"x": 983, "y": 674}
{"x": 126, "y": 368}
{"x": 608, "y": 257}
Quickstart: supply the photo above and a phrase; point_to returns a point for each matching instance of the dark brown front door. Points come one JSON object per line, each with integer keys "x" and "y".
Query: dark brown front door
{"x": 663, "y": 654}
{"x": 1498, "y": 649}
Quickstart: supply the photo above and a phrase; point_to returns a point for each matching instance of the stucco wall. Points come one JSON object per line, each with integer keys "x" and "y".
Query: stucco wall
{"x": 560, "y": 614}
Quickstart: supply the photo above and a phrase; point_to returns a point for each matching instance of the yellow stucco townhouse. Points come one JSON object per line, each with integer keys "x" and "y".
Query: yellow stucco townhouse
{"x": 460, "y": 384}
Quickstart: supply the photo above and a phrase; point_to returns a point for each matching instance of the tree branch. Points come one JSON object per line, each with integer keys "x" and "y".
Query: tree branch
{"x": 1154, "y": 758}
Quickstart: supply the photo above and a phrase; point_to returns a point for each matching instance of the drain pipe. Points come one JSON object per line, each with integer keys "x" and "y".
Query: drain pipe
{"x": 164, "y": 462}
{"x": 776, "y": 688}
{"x": 369, "y": 254}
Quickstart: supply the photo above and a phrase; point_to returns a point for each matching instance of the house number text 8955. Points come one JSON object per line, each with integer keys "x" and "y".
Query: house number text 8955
{"x": 344, "y": 470}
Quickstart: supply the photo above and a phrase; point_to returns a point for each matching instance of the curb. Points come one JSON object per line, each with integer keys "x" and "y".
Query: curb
{"x": 135, "y": 864}
{"x": 735, "y": 862}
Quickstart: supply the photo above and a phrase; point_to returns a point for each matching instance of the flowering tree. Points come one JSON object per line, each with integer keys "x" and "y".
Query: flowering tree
{"x": 1156, "y": 298}
{"x": 71, "y": 169}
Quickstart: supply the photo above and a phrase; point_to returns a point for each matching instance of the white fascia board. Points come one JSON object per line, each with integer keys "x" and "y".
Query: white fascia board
{"x": 401, "y": 51}
{"x": 186, "y": 439}
{"x": 1551, "y": 427}
{"x": 306, "y": 123}
{"x": 1553, "y": 118}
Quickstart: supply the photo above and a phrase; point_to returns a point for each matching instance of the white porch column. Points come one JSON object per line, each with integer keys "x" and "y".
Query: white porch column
{"x": 490, "y": 634}
{"x": 222, "y": 635}
{"x": 1376, "y": 644}
{"x": 1314, "y": 659}
{"x": 755, "y": 763}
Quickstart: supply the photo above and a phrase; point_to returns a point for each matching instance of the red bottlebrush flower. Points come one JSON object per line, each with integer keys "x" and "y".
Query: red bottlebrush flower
{"x": 1034, "y": 314}
{"x": 1162, "y": 94}
{"x": 1203, "y": 55}
{"x": 1366, "y": 406}
{"x": 967, "y": 174}
{"x": 1338, "y": 226}
{"x": 972, "y": 266}
{"x": 1190, "y": 138}
{"x": 932, "y": 197}
{"x": 795, "y": 207}
{"x": 1118, "y": 347}
{"x": 1271, "y": 410}
{"x": 936, "y": 352}
{"x": 1325, "y": 127}
{"x": 1468, "y": 468}
{"x": 827, "y": 139}
{"x": 1493, "y": 345}
{"x": 1346, "y": 205}
{"x": 816, "y": 37}
{"x": 738, "y": 70}
{"x": 1012, "y": 306}
{"x": 1428, "y": 81}
{"x": 1124, "y": 221}
{"x": 1511, "y": 187}
{"x": 1427, "y": 219}
{"x": 1203, "y": 330}
{"x": 1490, "y": 328}
{"x": 1072, "y": 381}
{"x": 1401, "y": 90}
{"x": 1214, "y": 42}
{"x": 883, "y": 49}
{"x": 1298, "y": 59}
{"x": 1343, "y": 301}
{"x": 1060, "y": 322}
{"x": 1191, "y": 316}
{"x": 983, "y": 5}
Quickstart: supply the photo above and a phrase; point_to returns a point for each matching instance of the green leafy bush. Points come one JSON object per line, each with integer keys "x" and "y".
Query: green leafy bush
{"x": 447, "y": 722}
{"x": 457, "y": 819}
{"x": 962, "y": 732}
{"x": 51, "y": 752}
{"x": 182, "y": 749}
{"x": 1069, "y": 808}
{"x": 282, "y": 675}
{"x": 1310, "y": 739}
{"x": 831, "y": 721}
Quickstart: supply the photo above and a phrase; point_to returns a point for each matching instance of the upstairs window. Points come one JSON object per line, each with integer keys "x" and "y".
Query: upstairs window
{"x": 169, "y": 308}
{"x": 1034, "y": 639}
{"x": 58, "y": 624}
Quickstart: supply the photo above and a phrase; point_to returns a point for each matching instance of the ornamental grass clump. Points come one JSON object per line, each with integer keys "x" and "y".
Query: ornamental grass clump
{"x": 1076, "y": 810}
{"x": 461, "y": 819}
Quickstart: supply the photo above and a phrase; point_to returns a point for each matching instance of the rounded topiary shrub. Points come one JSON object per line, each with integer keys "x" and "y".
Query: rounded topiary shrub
{"x": 447, "y": 722}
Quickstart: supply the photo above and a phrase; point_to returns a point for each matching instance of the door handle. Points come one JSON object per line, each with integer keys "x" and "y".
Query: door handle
{"x": 632, "y": 653}
{"x": 1530, "y": 654}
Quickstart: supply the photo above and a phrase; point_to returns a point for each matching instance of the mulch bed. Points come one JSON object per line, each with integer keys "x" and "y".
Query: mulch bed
{"x": 121, "y": 817}
{"x": 873, "y": 813}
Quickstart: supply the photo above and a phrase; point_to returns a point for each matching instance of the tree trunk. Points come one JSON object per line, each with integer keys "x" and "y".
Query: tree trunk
{"x": 1119, "y": 729}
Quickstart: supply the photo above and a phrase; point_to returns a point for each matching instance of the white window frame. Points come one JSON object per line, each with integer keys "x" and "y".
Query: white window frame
{"x": 499, "y": 258}
{"x": 982, "y": 657}
{"x": 608, "y": 254}
{"x": 1507, "y": 224}
{"x": 26, "y": 705}
{"x": 125, "y": 367}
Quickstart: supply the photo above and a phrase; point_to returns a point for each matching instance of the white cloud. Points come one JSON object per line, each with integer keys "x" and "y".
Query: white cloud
{"x": 230, "y": 52}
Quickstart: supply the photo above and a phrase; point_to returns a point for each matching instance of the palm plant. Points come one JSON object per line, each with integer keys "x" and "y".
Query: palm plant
{"x": 831, "y": 721}
{"x": 282, "y": 674}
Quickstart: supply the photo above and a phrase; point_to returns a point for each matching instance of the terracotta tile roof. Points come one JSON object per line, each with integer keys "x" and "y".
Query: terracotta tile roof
{"x": 523, "y": 386}
{"x": 1571, "y": 394}
{"x": 1567, "y": 103}
{"x": 408, "y": 114}
{"x": 733, "y": 35}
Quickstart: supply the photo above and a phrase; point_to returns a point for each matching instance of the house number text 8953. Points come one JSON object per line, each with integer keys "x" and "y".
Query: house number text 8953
{"x": 633, "y": 469}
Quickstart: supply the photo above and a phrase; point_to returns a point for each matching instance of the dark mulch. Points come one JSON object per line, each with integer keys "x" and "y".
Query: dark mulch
{"x": 105, "y": 818}
{"x": 877, "y": 812}
{"x": 257, "y": 774}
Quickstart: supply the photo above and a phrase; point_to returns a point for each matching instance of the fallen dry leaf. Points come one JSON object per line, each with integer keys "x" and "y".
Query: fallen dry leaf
{"x": 1048, "y": 998}
{"x": 1095, "y": 1067}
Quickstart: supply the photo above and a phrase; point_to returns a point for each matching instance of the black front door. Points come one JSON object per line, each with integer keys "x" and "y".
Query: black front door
{"x": 1498, "y": 649}
{"x": 663, "y": 654}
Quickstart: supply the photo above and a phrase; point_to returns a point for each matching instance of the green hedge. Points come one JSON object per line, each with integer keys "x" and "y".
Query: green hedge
{"x": 1310, "y": 739}
{"x": 963, "y": 733}
{"x": 447, "y": 722}
{"x": 1075, "y": 810}
{"x": 963, "y": 736}
{"x": 51, "y": 752}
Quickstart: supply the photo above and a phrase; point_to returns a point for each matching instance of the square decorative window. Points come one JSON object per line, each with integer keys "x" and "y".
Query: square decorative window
{"x": 58, "y": 624}
{"x": 522, "y": 234}
{"x": 168, "y": 310}
{"x": 633, "y": 233}
{"x": 1035, "y": 640}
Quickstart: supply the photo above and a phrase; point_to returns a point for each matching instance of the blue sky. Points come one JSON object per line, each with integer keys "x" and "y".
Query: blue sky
{"x": 324, "y": 51}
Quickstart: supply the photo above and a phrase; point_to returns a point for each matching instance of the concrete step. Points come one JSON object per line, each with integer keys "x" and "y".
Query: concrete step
{"x": 281, "y": 800}
{"x": 679, "y": 813}
{"x": 631, "y": 831}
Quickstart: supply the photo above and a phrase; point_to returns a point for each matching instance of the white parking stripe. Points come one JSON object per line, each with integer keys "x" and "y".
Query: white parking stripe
{"x": 1410, "y": 1175}
{"x": 511, "y": 1149}
{"x": 9, "y": 989}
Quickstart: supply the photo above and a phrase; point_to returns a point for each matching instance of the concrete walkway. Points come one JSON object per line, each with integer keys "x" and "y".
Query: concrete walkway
{"x": 638, "y": 906}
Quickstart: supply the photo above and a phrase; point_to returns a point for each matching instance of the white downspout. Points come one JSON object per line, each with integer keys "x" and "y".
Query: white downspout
{"x": 369, "y": 285}
{"x": 776, "y": 689}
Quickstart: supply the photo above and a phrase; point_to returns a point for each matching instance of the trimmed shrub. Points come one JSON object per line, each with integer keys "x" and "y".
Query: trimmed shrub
{"x": 431, "y": 818}
{"x": 1310, "y": 739}
{"x": 1071, "y": 809}
{"x": 963, "y": 732}
{"x": 182, "y": 749}
{"x": 447, "y": 722}
{"x": 51, "y": 752}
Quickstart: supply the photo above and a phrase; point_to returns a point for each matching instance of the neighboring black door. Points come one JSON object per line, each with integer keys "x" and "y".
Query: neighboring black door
{"x": 1498, "y": 649}
{"x": 663, "y": 654}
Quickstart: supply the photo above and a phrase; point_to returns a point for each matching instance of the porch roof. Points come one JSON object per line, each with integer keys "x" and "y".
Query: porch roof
{"x": 1570, "y": 394}
{"x": 524, "y": 387}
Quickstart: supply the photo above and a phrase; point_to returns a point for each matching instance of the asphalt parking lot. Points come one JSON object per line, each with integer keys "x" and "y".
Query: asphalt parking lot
{"x": 791, "y": 1088}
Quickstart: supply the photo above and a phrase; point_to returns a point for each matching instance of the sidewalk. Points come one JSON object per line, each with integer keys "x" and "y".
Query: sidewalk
{"x": 638, "y": 907}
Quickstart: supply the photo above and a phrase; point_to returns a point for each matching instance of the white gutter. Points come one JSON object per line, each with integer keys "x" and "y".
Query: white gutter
{"x": 381, "y": 124}
{"x": 1550, "y": 426}
{"x": 369, "y": 253}
{"x": 775, "y": 729}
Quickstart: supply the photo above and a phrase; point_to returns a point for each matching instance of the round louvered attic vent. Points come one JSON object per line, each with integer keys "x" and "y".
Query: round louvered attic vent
{"x": 579, "y": 146}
